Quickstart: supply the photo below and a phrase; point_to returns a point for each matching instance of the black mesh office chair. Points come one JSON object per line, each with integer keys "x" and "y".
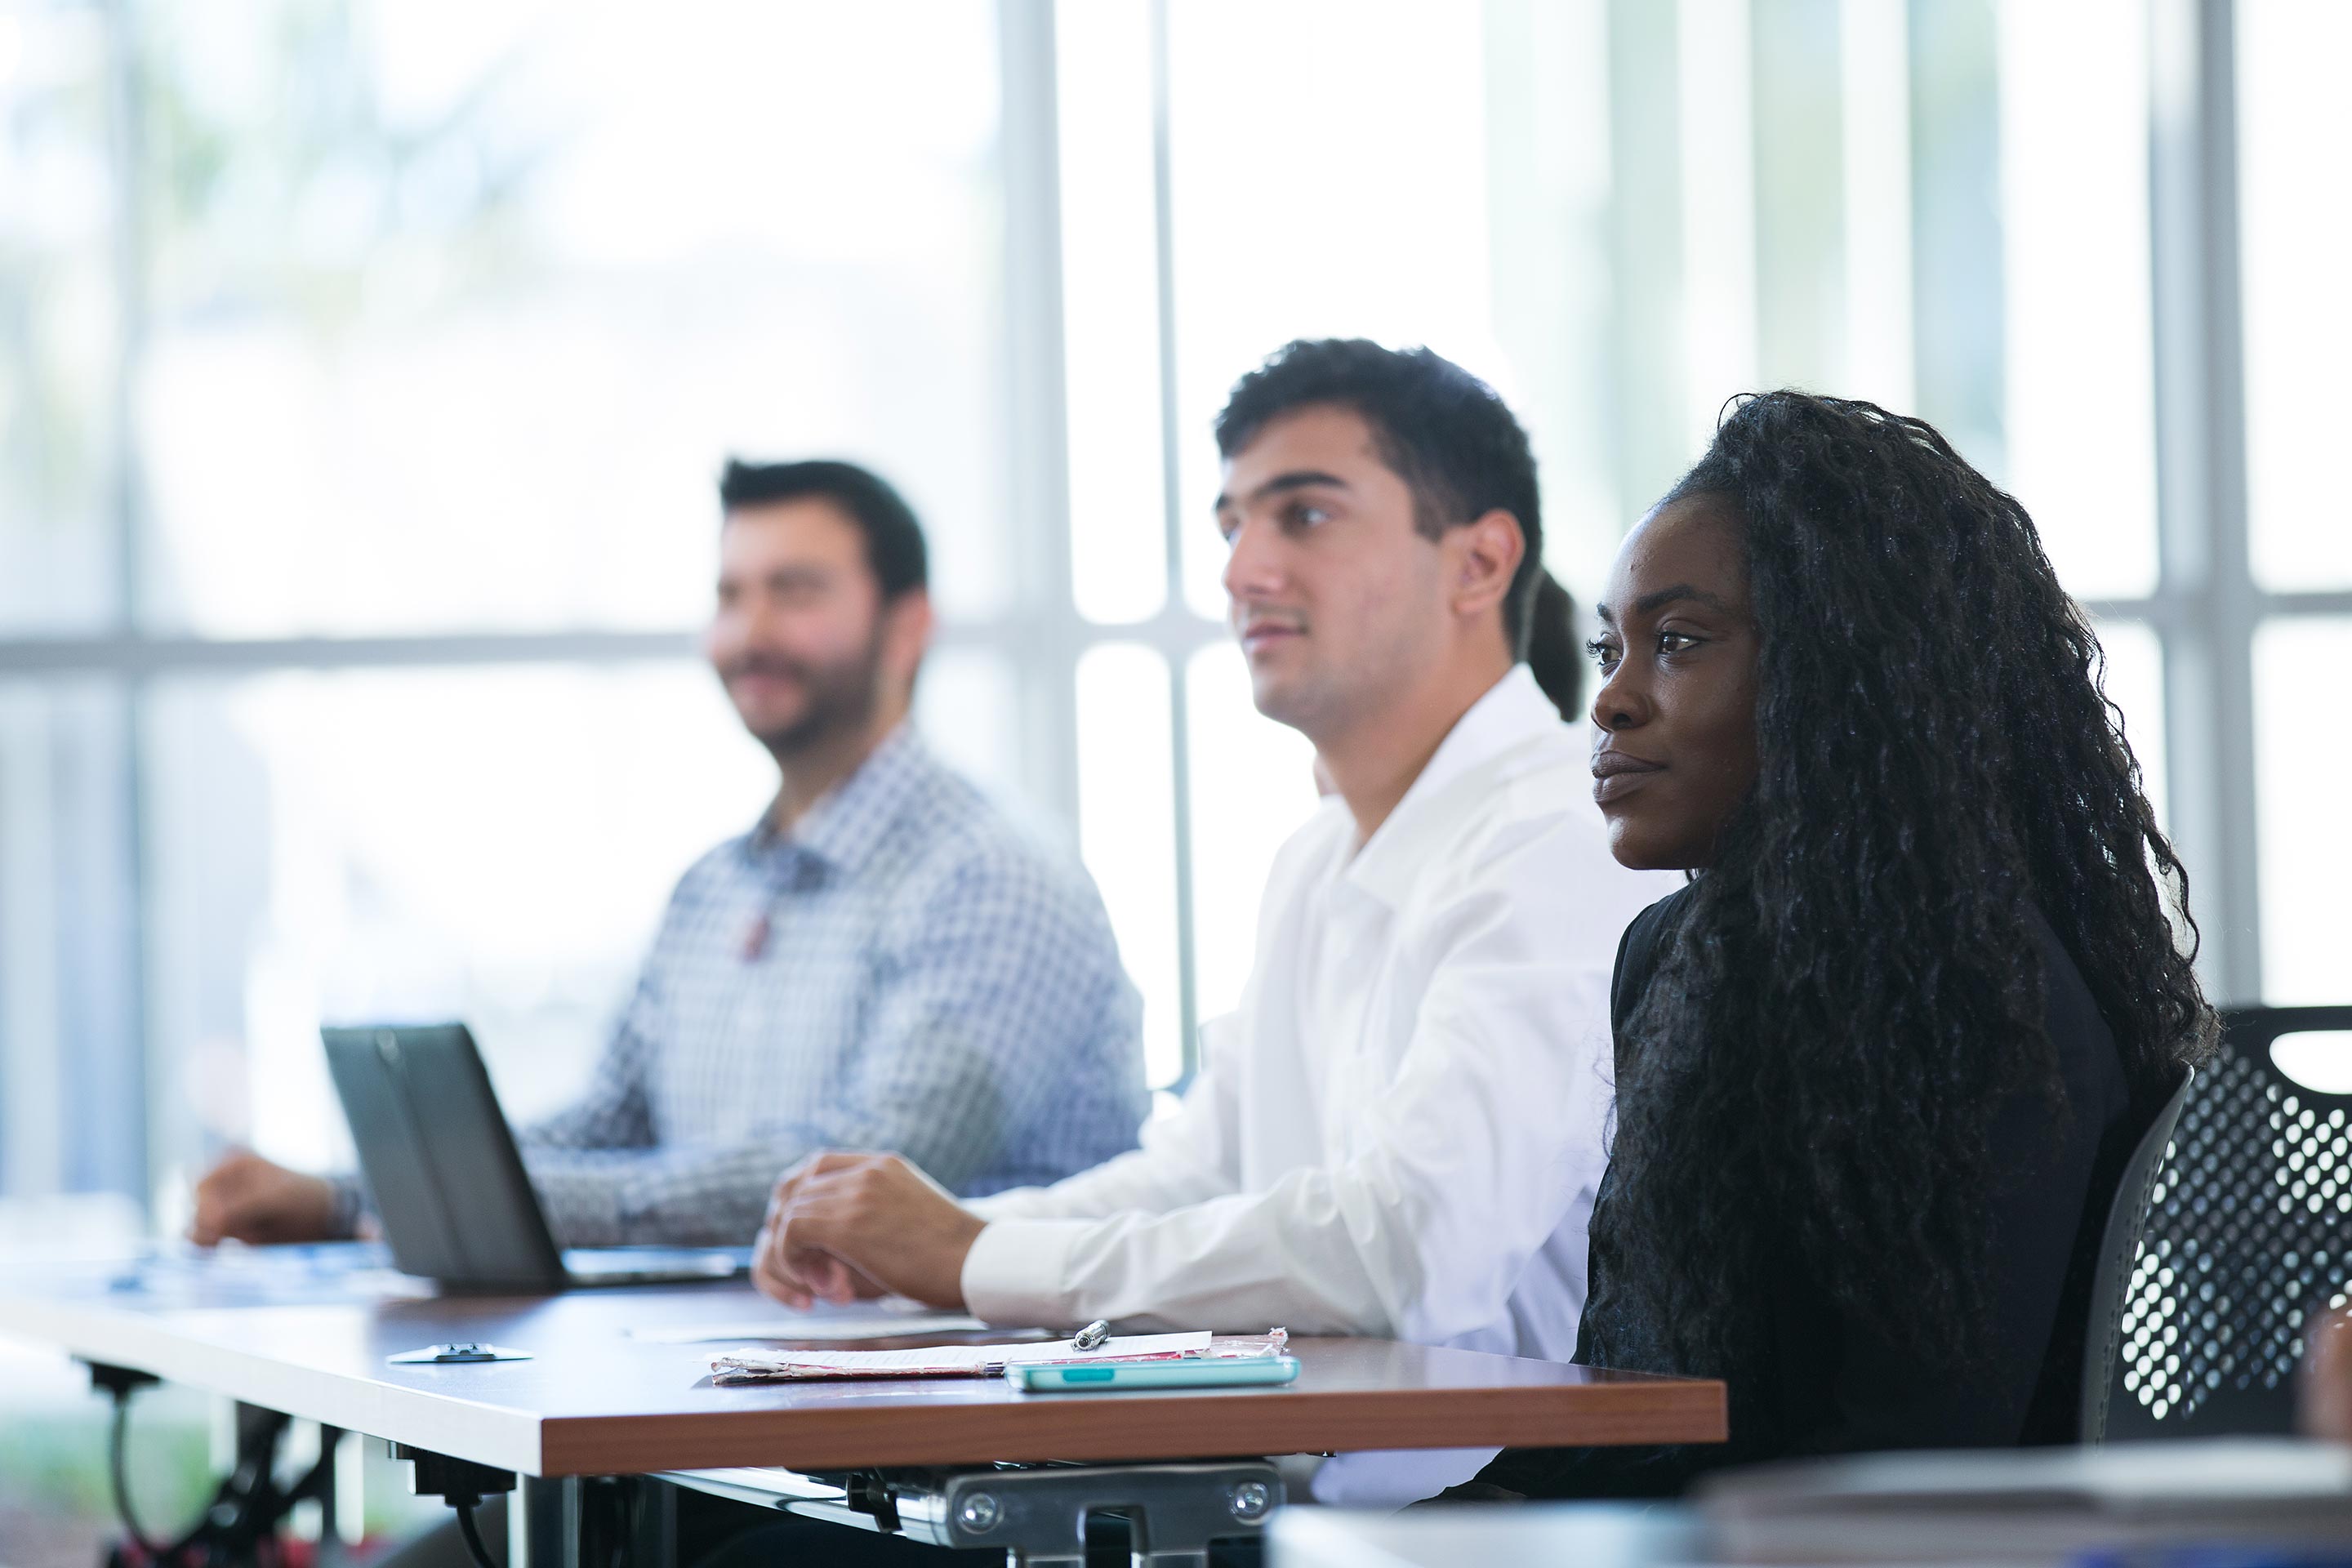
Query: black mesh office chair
{"x": 2119, "y": 1251}
{"x": 2249, "y": 1230}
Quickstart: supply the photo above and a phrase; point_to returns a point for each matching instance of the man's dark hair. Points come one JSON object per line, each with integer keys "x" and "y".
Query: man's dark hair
{"x": 894, "y": 540}
{"x": 1556, "y": 654}
{"x": 1442, "y": 430}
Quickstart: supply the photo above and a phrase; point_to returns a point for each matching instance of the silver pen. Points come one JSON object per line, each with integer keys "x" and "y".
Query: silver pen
{"x": 1092, "y": 1336}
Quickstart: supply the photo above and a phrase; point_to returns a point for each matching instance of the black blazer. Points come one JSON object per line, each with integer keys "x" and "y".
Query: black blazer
{"x": 1821, "y": 1384}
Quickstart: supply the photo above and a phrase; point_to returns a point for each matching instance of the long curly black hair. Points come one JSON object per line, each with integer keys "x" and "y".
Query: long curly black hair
{"x": 1851, "y": 991}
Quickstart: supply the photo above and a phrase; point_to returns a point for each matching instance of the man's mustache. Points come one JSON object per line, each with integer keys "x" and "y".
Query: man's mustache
{"x": 768, "y": 664}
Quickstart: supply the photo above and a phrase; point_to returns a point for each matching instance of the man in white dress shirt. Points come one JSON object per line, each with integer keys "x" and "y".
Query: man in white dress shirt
{"x": 1400, "y": 1130}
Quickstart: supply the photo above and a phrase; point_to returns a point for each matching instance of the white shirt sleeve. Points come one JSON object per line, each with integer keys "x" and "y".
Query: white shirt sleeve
{"x": 1488, "y": 1133}
{"x": 1187, "y": 1157}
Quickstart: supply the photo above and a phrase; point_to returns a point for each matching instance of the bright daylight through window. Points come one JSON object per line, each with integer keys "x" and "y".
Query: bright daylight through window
{"x": 368, "y": 369}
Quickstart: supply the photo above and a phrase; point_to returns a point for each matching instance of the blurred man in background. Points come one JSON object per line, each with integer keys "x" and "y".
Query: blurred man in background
{"x": 1399, "y": 1132}
{"x": 883, "y": 961}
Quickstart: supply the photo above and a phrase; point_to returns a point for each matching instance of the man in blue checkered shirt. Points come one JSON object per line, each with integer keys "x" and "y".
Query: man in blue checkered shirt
{"x": 884, "y": 963}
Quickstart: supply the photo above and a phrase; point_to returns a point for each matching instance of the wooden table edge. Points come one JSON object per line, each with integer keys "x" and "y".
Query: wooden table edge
{"x": 1168, "y": 1425}
{"x": 1161, "y": 1426}
{"x": 489, "y": 1434}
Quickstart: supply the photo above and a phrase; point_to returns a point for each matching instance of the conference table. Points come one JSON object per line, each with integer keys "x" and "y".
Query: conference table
{"x": 608, "y": 1392}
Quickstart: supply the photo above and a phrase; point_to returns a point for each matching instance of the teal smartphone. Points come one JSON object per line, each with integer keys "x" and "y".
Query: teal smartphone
{"x": 1106, "y": 1377}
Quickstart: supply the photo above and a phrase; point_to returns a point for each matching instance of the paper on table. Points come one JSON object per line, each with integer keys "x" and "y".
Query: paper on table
{"x": 884, "y": 1326}
{"x": 946, "y": 1360}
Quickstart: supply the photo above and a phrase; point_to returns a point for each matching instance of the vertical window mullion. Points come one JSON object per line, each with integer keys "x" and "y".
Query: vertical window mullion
{"x": 2205, "y": 586}
{"x": 1172, "y": 480}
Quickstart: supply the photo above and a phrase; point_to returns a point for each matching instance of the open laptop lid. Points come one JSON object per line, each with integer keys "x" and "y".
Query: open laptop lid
{"x": 439, "y": 1161}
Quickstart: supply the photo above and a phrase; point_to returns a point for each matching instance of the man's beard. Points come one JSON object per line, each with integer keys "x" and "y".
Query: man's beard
{"x": 841, "y": 697}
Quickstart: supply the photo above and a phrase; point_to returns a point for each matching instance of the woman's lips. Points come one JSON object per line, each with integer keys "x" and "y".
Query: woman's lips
{"x": 1615, "y": 773}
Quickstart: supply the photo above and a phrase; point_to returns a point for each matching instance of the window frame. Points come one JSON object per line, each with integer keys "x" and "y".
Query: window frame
{"x": 2207, "y": 610}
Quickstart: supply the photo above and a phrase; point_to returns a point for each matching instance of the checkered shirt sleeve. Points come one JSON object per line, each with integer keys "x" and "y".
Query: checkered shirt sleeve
{"x": 986, "y": 974}
{"x": 615, "y": 1112}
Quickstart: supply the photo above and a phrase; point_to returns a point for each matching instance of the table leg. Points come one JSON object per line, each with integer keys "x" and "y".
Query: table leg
{"x": 330, "y": 1535}
{"x": 592, "y": 1521}
{"x": 653, "y": 1523}
{"x": 543, "y": 1522}
{"x": 249, "y": 1506}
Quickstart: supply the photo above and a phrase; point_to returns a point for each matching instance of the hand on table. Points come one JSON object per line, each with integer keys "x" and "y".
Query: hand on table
{"x": 248, "y": 1198}
{"x": 842, "y": 1225}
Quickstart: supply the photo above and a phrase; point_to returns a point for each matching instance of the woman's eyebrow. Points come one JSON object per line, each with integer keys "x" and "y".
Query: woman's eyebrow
{"x": 1665, "y": 597}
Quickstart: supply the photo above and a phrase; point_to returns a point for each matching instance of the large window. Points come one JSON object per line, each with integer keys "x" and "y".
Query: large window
{"x": 1999, "y": 215}
{"x": 365, "y": 369}
{"x": 365, "y": 375}
{"x": 2294, "y": 144}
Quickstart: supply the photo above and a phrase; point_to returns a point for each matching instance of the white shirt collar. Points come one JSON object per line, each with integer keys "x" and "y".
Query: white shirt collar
{"x": 1513, "y": 711}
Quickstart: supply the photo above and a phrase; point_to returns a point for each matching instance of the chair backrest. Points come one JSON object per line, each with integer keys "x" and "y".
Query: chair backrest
{"x": 2118, "y": 1248}
{"x": 2248, "y": 1230}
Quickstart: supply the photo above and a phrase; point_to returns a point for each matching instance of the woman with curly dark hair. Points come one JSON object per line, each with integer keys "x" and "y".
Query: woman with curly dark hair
{"x": 1881, "y": 1064}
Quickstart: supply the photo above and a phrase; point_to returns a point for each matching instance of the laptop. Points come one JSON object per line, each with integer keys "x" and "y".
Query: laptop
{"x": 448, "y": 1185}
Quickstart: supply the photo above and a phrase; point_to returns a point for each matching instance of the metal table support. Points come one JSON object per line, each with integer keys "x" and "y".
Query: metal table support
{"x": 1036, "y": 1514}
{"x": 250, "y": 1505}
{"x": 559, "y": 1521}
